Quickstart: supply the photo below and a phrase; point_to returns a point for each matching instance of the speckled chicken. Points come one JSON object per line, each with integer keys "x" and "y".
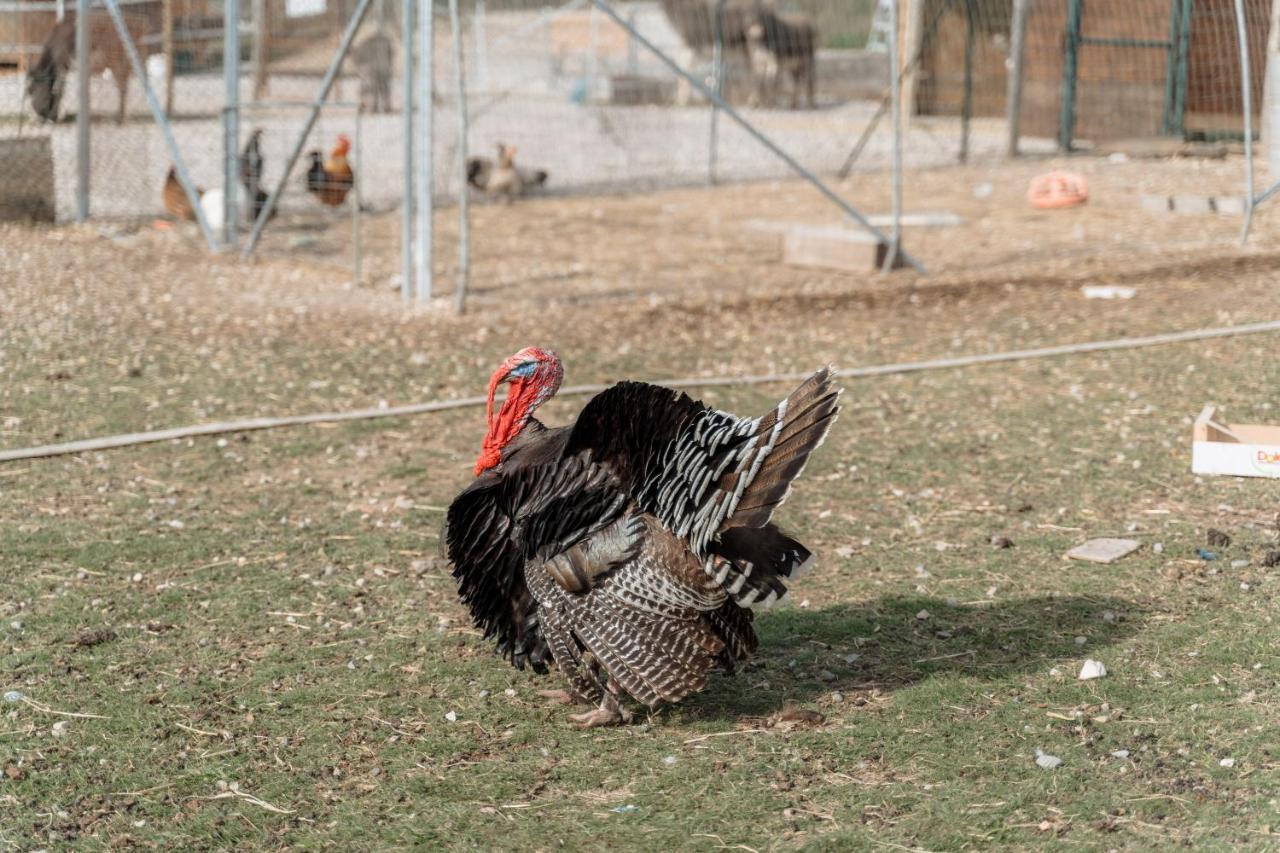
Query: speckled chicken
{"x": 625, "y": 548}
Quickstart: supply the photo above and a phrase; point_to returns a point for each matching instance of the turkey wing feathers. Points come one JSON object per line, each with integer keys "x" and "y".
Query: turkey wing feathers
{"x": 502, "y": 520}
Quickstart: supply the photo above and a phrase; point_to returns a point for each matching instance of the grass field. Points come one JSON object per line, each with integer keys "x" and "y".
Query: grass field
{"x": 251, "y": 642}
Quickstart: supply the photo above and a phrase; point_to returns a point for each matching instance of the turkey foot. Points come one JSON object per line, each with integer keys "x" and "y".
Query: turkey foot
{"x": 610, "y": 712}
{"x": 562, "y": 697}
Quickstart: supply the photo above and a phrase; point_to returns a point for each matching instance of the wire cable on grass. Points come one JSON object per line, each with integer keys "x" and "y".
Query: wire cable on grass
{"x": 131, "y": 439}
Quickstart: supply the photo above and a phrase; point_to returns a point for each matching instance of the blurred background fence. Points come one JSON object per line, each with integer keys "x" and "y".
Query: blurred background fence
{"x": 579, "y": 96}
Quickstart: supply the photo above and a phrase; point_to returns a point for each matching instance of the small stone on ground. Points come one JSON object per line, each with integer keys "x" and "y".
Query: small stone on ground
{"x": 1104, "y": 550}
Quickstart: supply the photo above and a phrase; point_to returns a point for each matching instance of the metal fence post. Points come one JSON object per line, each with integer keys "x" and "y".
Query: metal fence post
{"x": 425, "y": 169}
{"x": 717, "y": 70}
{"x": 167, "y": 46}
{"x": 966, "y": 104}
{"x": 357, "y": 243}
{"x": 895, "y": 101}
{"x": 330, "y": 74}
{"x": 259, "y": 58}
{"x": 406, "y": 116}
{"x": 1013, "y": 97}
{"x": 1246, "y": 94}
{"x": 464, "y": 212}
{"x": 1067, "y": 116}
{"x": 230, "y": 121}
{"x": 83, "y": 113}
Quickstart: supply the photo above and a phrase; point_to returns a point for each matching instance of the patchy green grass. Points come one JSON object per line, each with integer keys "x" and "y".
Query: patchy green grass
{"x": 280, "y": 661}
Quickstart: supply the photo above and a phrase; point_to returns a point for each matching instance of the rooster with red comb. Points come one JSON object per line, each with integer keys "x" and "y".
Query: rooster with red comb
{"x": 330, "y": 179}
{"x": 625, "y": 548}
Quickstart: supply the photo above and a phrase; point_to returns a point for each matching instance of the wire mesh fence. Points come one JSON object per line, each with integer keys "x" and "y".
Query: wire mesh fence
{"x": 582, "y": 103}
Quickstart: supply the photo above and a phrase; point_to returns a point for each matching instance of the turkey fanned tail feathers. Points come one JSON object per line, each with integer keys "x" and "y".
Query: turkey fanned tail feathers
{"x": 712, "y": 478}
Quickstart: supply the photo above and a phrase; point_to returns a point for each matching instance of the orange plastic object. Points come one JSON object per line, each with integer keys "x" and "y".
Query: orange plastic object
{"x": 1057, "y": 190}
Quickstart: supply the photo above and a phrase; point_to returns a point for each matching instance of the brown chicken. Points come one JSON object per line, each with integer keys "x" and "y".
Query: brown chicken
{"x": 331, "y": 179}
{"x": 502, "y": 178}
{"x": 175, "y": 200}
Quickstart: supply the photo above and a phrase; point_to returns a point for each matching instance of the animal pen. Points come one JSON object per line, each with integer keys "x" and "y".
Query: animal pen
{"x": 596, "y": 96}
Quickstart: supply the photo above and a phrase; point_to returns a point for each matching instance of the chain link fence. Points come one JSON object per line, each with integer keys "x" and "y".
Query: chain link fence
{"x": 585, "y": 100}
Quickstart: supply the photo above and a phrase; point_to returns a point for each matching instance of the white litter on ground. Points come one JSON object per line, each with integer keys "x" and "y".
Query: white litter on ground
{"x": 1107, "y": 291}
{"x": 1092, "y": 669}
{"x": 1227, "y": 762}
{"x": 1047, "y": 761}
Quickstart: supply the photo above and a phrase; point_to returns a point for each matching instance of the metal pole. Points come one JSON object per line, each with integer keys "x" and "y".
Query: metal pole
{"x": 326, "y": 84}
{"x": 175, "y": 153}
{"x": 167, "y": 42}
{"x": 406, "y": 121}
{"x": 464, "y": 211}
{"x": 966, "y": 104}
{"x": 1246, "y": 93}
{"x": 915, "y": 38}
{"x": 230, "y": 121}
{"x": 83, "y": 116}
{"x": 717, "y": 69}
{"x": 1067, "y": 115}
{"x": 425, "y": 165}
{"x": 357, "y": 248}
{"x": 895, "y": 100}
{"x": 768, "y": 143}
{"x": 1013, "y": 98}
{"x": 259, "y": 58}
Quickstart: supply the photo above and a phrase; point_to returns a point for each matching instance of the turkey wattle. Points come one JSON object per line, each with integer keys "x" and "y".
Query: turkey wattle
{"x": 625, "y": 547}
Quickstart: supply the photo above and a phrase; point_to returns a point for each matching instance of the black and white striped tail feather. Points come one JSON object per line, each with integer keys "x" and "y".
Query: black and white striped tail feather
{"x": 752, "y": 572}
{"x": 757, "y": 562}
{"x": 802, "y": 423}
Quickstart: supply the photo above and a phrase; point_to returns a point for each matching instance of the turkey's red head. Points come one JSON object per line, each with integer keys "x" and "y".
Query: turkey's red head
{"x": 343, "y": 146}
{"x": 534, "y": 375}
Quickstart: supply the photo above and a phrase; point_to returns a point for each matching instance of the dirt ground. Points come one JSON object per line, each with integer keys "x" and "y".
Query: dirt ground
{"x": 270, "y": 653}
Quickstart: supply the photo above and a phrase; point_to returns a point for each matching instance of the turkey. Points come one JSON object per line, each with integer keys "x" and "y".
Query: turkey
{"x": 625, "y": 548}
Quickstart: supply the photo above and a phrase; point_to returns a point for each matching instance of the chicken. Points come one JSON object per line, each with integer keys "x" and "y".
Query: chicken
{"x": 175, "y": 199}
{"x": 503, "y": 178}
{"x": 329, "y": 180}
{"x": 251, "y": 163}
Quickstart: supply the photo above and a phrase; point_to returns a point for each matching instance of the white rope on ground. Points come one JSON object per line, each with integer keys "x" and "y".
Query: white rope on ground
{"x": 131, "y": 439}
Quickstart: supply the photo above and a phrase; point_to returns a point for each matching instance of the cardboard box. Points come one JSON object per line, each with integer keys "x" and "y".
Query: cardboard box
{"x": 1242, "y": 450}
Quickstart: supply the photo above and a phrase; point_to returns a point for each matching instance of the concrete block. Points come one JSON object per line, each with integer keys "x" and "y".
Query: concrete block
{"x": 1229, "y": 205}
{"x": 635, "y": 90}
{"x": 834, "y": 248}
{"x": 1192, "y": 204}
{"x": 1157, "y": 203}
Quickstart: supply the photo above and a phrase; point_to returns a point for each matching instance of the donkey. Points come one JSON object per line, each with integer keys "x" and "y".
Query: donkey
{"x": 778, "y": 46}
{"x": 694, "y": 21}
{"x": 47, "y": 79}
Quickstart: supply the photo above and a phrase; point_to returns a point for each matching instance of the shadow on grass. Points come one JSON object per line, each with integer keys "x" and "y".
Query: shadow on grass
{"x": 895, "y": 647}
